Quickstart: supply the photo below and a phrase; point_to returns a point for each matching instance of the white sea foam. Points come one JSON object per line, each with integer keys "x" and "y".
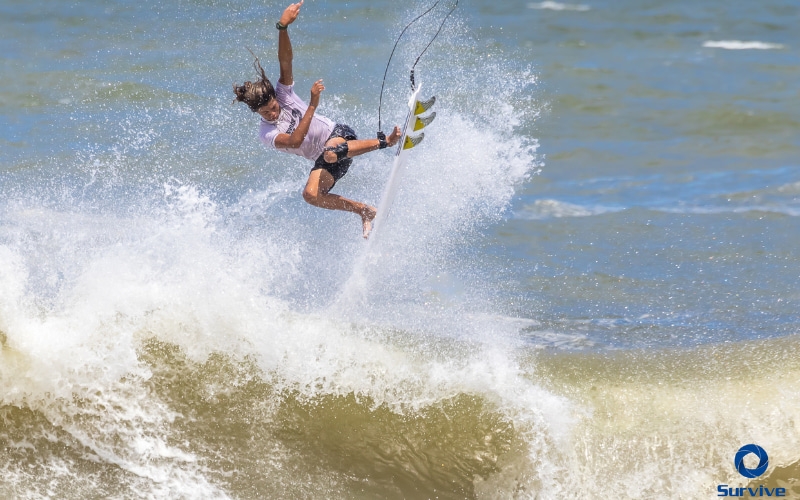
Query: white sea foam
{"x": 548, "y": 208}
{"x": 542, "y": 339}
{"x": 792, "y": 188}
{"x": 171, "y": 277}
{"x": 740, "y": 45}
{"x": 559, "y": 6}
{"x": 792, "y": 211}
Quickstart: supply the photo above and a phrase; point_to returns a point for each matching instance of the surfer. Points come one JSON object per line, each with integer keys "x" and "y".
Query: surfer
{"x": 290, "y": 125}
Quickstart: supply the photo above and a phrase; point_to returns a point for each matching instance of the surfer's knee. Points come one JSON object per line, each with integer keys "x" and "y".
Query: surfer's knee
{"x": 336, "y": 151}
{"x": 311, "y": 195}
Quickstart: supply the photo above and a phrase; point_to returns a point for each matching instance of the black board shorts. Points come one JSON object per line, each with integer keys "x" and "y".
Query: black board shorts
{"x": 338, "y": 169}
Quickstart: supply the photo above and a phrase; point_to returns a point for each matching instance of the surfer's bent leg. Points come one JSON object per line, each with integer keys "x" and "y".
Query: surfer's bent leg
{"x": 317, "y": 193}
{"x": 332, "y": 165}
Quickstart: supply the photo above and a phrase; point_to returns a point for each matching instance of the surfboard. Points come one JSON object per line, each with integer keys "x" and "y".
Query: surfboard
{"x": 414, "y": 123}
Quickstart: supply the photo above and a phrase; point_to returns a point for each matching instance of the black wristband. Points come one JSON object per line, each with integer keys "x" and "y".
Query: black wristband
{"x": 382, "y": 144}
{"x": 281, "y": 27}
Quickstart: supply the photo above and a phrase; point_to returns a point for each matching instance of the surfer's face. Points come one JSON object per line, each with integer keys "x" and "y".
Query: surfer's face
{"x": 270, "y": 111}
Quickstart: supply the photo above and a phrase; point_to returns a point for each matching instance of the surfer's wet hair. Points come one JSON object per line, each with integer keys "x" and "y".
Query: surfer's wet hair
{"x": 258, "y": 93}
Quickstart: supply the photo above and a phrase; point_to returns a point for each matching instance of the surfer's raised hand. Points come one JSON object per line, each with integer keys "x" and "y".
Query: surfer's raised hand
{"x": 392, "y": 138}
{"x": 290, "y": 14}
{"x": 316, "y": 90}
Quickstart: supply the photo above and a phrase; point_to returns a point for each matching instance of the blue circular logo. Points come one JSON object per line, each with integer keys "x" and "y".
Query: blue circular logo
{"x": 763, "y": 460}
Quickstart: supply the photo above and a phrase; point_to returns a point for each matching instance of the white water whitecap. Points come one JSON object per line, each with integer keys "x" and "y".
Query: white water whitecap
{"x": 547, "y": 209}
{"x": 740, "y": 45}
{"x": 559, "y": 6}
{"x": 705, "y": 210}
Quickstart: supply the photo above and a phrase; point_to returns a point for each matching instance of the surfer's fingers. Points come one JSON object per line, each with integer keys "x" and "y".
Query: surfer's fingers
{"x": 292, "y": 11}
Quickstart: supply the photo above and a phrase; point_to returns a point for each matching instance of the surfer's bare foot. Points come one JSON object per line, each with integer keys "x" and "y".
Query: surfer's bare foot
{"x": 366, "y": 220}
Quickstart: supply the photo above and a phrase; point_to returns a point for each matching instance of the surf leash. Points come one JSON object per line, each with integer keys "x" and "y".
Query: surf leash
{"x": 413, "y": 85}
{"x": 386, "y": 71}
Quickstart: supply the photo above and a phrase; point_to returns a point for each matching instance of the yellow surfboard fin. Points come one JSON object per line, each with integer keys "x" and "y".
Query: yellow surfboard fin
{"x": 423, "y": 106}
{"x": 412, "y": 141}
{"x": 421, "y": 123}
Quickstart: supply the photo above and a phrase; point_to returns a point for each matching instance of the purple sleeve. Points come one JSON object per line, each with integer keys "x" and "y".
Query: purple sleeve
{"x": 287, "y": 97}
{"x": 267, "y": 135}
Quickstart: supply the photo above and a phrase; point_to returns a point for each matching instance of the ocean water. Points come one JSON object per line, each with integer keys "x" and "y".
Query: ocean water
{"x": 588, "y": 286}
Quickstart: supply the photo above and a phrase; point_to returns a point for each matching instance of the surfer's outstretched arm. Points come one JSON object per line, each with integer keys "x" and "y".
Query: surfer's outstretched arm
{"x": 285, "y": 44}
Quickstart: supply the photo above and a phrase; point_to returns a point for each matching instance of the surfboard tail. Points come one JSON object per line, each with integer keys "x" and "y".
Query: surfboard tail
{"x": 420, "y": 122}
